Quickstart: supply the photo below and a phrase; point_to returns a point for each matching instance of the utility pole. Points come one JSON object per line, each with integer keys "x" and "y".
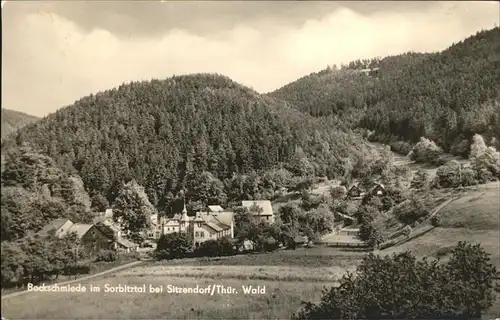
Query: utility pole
{"x": 76, "y": 260}
{"x": 460, "y": 174}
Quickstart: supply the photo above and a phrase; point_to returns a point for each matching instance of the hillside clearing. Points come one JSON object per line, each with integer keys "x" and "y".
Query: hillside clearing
{"x": 474, "y": 216}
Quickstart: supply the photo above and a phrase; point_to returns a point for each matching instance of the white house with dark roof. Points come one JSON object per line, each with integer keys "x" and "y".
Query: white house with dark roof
{"x": 213, "y": 224}
{"x": 215, "y": 208}
{"x": 265, "y": 209}
{"x": 59, "y": 226}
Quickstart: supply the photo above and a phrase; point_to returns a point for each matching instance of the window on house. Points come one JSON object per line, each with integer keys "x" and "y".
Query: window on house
{"x": 202, "y": 234}
{"x": 196, "y": 234}
{"x": 199, "y": 224}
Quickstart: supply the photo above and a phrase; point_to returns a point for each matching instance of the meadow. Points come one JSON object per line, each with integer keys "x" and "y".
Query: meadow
{"x": 290, "y": 277}
{"x": 473, "y": 217}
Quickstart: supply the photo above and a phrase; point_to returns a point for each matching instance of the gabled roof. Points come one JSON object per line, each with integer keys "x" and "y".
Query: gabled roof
{"x": 80, "y": 229}
{"x": 217, "y": 227}
{"x": 110, "y": 226}
{"x": 267, "y": 208}
{"x": 226, "y": 217}
{"x": 126, "y": 243}
{"x": 211, "y": 220}
{"x": 53, "y": 225}
{"x": 215, "y": 208}
{"x": 354, "y": 187}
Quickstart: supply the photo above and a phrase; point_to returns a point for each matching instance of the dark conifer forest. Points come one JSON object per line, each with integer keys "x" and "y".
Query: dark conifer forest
{"x": 161, "y": 133}
{"x": 447, "y": 96}
{"x": 165, "y": 133}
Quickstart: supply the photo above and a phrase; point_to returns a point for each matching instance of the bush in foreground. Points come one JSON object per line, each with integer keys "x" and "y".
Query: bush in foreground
{"x": 216, "y": 248}
{"x": 106, "y": 256}
{"x": 401, "y": 287}
{"x": 172, "y": 246}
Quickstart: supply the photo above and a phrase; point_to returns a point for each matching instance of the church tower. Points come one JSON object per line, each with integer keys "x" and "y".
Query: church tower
{"x": 184, "y": 221}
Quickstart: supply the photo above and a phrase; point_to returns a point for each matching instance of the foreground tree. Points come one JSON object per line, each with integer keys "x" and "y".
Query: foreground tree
{"x": 401, "y": 287}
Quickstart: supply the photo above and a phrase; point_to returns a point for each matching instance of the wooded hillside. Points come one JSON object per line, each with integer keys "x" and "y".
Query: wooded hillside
{"x": 162, "y": 132}
{"x": 447, "y": 96}
{"x": 13, "y": 120}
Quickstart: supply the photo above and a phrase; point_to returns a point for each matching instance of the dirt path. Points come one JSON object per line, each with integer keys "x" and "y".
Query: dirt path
{"x": 125, "y": 266}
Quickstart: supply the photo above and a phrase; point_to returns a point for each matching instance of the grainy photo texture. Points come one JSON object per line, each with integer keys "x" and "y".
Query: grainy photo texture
{"x": 250, "y": 160}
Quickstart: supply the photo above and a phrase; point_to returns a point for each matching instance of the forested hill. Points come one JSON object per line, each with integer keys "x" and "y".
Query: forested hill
{"x": 13, "y": 120}
{"x": 446, "y": 96}
{"x": 163, "y": 132}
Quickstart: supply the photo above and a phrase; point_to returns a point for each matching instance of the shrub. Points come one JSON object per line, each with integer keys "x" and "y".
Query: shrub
{"x": 79, "y": 267}
{"x": 485, "y": 160}
{"x": 106, "y": 256}
{"x": 426, "y": 151}
{"x": 468, "y": 177}
{"x": 420, "y": 181}
{"x": 436, "y": 221}
{"x": 215, "y": 248}
{"x": 338, "y": 192}
{"x": 412, "y": 211}
{"x": 400, "y": 287}
{"x": 172, "y": 246}
{"x": 448, "y": 176}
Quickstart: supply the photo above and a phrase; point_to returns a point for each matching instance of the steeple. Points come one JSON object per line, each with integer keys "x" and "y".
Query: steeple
{"x": 184, "y": 217}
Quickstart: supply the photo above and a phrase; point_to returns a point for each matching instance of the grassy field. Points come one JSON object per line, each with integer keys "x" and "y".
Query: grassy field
{"x": 474, "y": 217}
{"x": 280, "y": 299}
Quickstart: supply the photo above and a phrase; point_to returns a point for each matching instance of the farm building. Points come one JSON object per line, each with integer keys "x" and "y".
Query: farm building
{"x": 355, "y": 192}
{"x": 261, "y": 209}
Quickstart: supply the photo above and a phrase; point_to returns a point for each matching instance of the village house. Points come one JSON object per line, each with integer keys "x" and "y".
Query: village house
{"x": 262, "y": 210}
{"x": 107, "y": 218}
{"x": 92, "y": 240}
{"x": 213, "y": 224}
{"x": 355, "y": 192}
{"x": 59, "y": 226}
{"x": 103, "y": 235}
{"x": 125, "y": 245}
{"x": 378, "y": 190}
{"x": 157, "y": 225}
{"x": 111, "y": 231}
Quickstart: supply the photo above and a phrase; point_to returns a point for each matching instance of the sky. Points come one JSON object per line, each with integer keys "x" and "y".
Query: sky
{"x": 56, "y": 52}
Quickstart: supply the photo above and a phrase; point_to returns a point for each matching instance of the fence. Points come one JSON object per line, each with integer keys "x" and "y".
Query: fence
{"x": 344, "y": 244}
